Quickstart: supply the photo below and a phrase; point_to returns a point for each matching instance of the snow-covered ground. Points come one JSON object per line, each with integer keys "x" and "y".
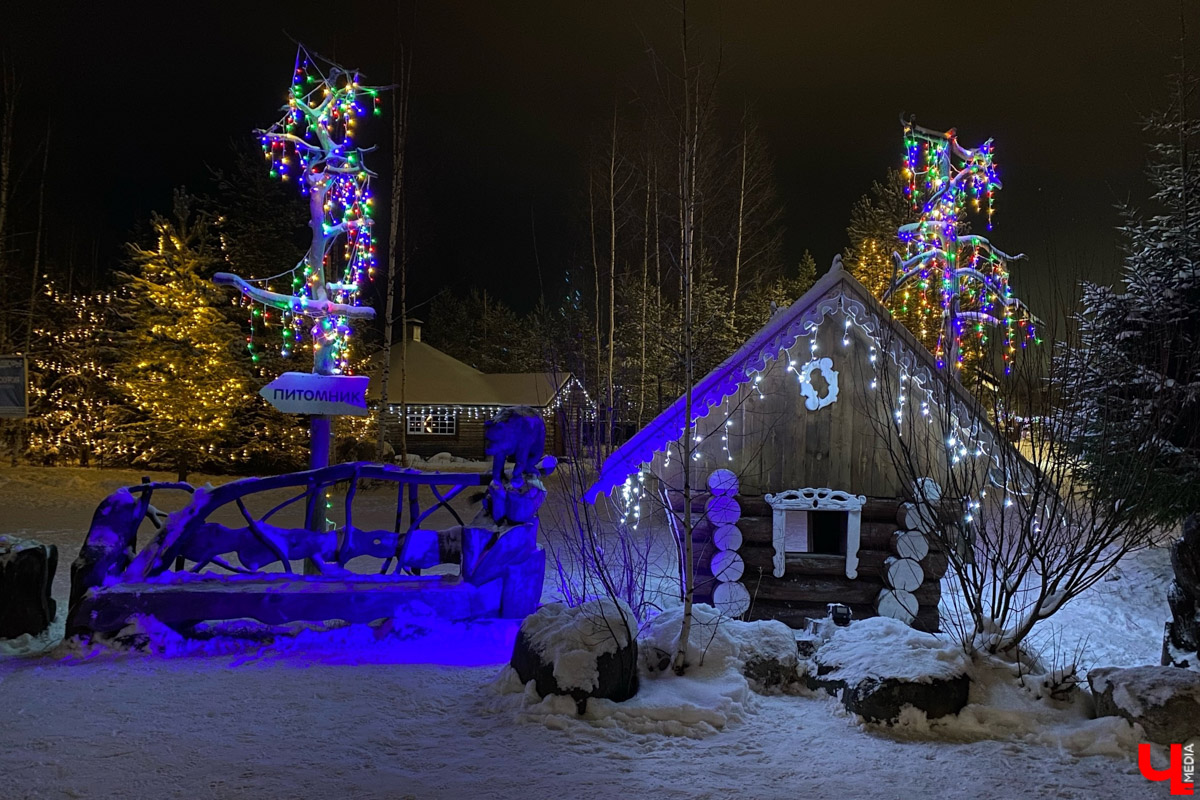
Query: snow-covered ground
{"x": 428, "y": 711}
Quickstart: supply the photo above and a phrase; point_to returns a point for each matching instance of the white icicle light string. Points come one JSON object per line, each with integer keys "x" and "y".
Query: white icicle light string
{"x": 968, "y": 439}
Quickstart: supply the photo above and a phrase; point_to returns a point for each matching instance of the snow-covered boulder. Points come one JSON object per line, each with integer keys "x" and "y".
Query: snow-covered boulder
{"x": 26, "y": 574}
{"x": 880, "y": 665}
{"x": 764, "y": 652}
{"x": 1164, "y": 700}
{"x": 584, "y": 651}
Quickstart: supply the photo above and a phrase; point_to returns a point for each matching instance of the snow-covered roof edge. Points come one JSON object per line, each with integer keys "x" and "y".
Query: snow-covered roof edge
{"x": 780, "y": 332}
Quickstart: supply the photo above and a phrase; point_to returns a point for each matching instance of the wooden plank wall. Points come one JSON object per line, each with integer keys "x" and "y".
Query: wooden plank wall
{"x": 774, "y": 442}
{"x": 467, "y": 441}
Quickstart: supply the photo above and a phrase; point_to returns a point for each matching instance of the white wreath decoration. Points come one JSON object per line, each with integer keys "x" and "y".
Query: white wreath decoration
{"x": 824, "y": 366}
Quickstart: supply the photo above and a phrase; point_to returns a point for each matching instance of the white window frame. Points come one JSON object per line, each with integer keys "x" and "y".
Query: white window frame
{"x": 415, "y": 423}
{"x": 814, "y": 500}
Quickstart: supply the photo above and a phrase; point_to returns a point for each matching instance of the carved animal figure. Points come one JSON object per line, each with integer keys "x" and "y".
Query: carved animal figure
{"x": 518, "y": 432}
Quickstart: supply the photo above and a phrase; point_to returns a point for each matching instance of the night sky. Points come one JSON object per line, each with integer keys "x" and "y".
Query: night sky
{"x": 508, "y": 96}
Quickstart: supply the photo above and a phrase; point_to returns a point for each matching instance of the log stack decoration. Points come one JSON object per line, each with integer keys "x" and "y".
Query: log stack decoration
{"x": 730, "y": 596}
{"x": 902, "y": 572}
{"x": 717, "y": 565}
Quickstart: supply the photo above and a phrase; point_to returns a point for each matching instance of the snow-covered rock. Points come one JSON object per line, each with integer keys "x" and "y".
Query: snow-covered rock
{"x": 583, "y": 651}
{"x": 713, "y": 694}
{"x": 880, "y": 647}
{"x": 764, "y": 651}
{"x": 1164, "y": 700}
{"x": 879, "y": 665}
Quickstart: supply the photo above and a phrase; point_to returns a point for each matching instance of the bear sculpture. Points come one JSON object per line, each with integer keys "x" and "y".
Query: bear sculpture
{"x": 516, "y": 432}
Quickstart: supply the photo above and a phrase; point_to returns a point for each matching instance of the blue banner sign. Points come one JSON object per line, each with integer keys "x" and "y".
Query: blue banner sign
{"x": 14, "y": 387}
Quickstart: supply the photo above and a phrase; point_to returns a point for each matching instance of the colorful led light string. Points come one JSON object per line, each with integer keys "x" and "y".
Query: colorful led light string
{"x": 315, "y": 140}
{"x": 961, "y": 280}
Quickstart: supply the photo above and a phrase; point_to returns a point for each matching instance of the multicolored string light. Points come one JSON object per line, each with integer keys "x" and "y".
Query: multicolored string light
{"x": 315, "y": 138}
{"x": 314, "y": 141}
{"x": 956, "y": 279}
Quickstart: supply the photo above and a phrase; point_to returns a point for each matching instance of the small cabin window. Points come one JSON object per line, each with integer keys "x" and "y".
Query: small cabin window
{"x": 828, "y": 532}
{"x": 821, "y": 532}
{"x": 817, "y": 521}
{"x": 437, "y": 423}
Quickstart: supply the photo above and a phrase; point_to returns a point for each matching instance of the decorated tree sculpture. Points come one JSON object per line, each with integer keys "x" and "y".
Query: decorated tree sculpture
{"x": 956, "y": 280}
{"x": 314, "y": 143}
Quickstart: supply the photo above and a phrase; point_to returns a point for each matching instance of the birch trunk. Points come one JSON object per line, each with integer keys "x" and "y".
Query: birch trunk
{"x": 687, "y": 185}
{"x": 7, "y": 119}
{"x": 396, "y": 244}
{"x": 596, "y": 303}
{"x": 37, "y": 243}
{"x": 741, "y": 220}
{"x": 612, "y": 272}
{"x": 645, "y": 299}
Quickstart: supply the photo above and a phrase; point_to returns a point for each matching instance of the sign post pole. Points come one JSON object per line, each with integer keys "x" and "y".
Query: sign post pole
{"x": 319, "y": 433}
{"x": 322, "y": 397}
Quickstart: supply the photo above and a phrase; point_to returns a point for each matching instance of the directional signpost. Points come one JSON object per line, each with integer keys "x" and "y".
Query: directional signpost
{"x": 323, "y": 395}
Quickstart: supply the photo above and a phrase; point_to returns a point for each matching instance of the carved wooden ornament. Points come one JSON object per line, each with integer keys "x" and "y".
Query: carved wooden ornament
{"x": 824, "y": 366}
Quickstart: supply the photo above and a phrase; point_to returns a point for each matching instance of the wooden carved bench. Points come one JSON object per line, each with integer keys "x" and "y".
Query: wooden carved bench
{"x": 194, "y": 569}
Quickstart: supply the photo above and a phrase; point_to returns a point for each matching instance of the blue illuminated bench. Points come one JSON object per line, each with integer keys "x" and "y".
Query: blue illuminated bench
{"x": 174, "y": 578}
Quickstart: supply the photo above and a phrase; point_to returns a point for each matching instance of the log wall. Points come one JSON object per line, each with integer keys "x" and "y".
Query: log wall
{"x": 811, "y": 580}
{"x": 467, "y": 440}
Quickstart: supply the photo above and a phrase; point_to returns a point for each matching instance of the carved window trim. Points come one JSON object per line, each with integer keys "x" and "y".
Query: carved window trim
{"x": 815, "y": 500}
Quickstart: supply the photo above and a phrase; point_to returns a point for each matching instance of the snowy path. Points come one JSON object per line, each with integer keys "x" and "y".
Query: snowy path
{"x": 204, "y": 728}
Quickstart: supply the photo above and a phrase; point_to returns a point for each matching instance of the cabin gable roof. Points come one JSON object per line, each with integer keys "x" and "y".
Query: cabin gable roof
{"x": 835, "y": 292}
{"x": 436, "y": 378}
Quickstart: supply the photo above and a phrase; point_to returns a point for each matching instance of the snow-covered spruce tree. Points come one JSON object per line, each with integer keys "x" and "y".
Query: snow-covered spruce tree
{"x": 1137, "y": 381}
{"x": 875, "y": 219}
{"x": 180, "y": 368}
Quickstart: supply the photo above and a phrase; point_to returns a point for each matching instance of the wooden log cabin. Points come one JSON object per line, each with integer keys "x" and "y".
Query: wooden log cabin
{"x": 447, "y": 402}
{"x": 798, "y": 501}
